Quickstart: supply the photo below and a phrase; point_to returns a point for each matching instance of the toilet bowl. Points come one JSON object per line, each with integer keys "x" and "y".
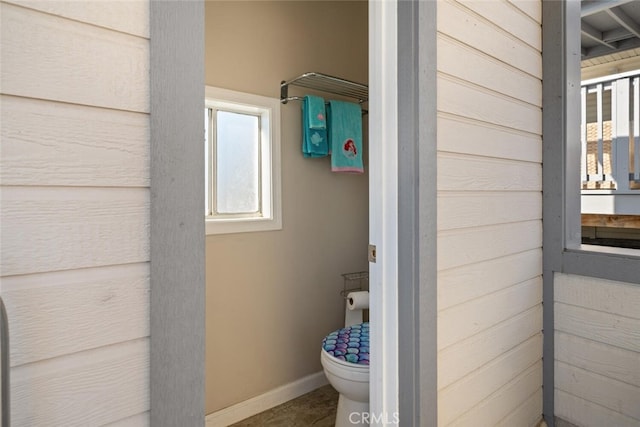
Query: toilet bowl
{"x": 345, "y": 360}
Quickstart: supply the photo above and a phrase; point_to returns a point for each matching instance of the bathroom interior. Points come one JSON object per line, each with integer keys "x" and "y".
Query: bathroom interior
{"x": 271, "y": 297}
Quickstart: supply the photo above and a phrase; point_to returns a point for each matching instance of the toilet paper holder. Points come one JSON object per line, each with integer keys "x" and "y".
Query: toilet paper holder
{"x": 353, "y": 282}
{"x": 356, "y": 309}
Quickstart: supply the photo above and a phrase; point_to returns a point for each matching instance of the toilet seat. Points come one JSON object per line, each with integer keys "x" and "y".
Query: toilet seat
{"x": 349, "y": 346}
{"x": 350, "y": 377}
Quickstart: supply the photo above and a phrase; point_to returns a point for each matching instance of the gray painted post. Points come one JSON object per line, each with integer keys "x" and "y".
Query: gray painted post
{"x": 561, "y": 114}
{"x": 553, "y": 20}
{"x": 177, "y": 220}
{"x": 417, "y": 272}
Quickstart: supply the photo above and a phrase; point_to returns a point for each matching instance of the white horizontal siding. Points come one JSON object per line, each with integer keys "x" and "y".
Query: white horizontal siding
{"x": 66, "y": 312}
{"x": 457, "y": 172}
{"x": 614, "y": 362}
{"x": 130, "y": 17}
{"x": 140, "y": 420}
{"x": 55, "y": 228}
{"x": 48, "y": 57}
{"x": 465, "y": 320}
{"x": 527, "y": 414}
{"x": 607, "y": 328}
{"x": 481, "y": 33}
{"x": 532, "y": 8}
{"x": 463, "y": 135}
{"x": 470, "y": 245}
{"x": 606, "y": 392}
{"x": 454, "y": 361}
{"x": 597, "y": 351}
{"x": 509, "y": 18}
{"x": 486, "y": 71}
{"x": 65, "y": 144}
{"x": 489, "y": 213}
{"x": 74, "y": 170}
{"x": 607, "y": 296}
{"x": 462, "y": 98}
{"x": 467, "y": 282}
{"x": 95, "y": 387}
{"x": 507, "y": 400}
{"x": 462, "y": 210}
{"x": 584, "y": 413}
{"x": 467, "y": 393}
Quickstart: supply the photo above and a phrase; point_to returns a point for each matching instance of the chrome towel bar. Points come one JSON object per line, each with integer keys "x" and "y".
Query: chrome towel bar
{"x": 324, "y": 83}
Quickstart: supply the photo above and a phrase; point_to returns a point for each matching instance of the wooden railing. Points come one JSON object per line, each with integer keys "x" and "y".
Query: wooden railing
{"x": 611, "y": 132}
{"x": 610, "y": 138}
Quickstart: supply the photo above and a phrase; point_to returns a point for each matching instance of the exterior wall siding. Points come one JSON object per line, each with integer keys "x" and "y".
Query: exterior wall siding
{"x": 74, "y": 171}
{"x": 489, "y": 213}
{"x": 597, "y": 351}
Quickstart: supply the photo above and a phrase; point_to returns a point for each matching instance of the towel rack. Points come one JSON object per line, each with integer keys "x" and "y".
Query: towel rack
{"x": 324, "y": 83}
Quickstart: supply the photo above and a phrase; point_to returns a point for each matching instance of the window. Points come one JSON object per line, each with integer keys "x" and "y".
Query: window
{"x": 242, "y": 162}
{"x": 563, "y": 156}
{"x": 564, "y": 174}
{"x": 610, "y": 157}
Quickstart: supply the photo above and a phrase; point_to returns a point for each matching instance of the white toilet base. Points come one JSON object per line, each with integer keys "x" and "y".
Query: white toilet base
{"x": 352, "y": 413}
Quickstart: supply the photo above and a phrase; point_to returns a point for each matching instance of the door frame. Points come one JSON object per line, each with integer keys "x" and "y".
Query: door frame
{"x": 383, "y": 212}
{"x": 177, "y": 231}
{"x": 402, "y": 213}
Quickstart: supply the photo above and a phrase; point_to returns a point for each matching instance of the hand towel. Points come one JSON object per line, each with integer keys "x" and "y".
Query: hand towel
{"x": 344, "y": 123}
{"x": 314, "y": 127}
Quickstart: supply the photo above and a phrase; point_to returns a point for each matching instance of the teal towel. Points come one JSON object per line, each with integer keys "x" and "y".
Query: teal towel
{"x": 314, "y": 127}
{"x": 316, "y": 115}
{"x": 344, "y": 123}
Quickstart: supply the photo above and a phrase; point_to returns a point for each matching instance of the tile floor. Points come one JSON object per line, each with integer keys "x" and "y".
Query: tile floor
{"x": 317, "y": 408}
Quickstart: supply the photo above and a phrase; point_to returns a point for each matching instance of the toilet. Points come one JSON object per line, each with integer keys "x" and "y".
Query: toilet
{"x": 345, "y": 359}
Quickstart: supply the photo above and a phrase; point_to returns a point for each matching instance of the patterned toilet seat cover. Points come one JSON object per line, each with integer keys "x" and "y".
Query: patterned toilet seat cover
{"x": 350, "y": 344}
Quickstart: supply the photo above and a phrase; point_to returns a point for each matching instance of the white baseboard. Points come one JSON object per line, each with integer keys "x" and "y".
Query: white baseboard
{"x": 268, "y": 400}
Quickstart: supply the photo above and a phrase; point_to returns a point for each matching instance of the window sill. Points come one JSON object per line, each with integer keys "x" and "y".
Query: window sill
{"x": 604, "y": 262}
{"x": 607, "y": 251}
{"x": 241, "y": 225}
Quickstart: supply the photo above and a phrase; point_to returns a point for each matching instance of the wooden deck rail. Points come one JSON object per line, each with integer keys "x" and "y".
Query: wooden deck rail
{"x": 610, "y": 158}
{"x": 615, "y": 221}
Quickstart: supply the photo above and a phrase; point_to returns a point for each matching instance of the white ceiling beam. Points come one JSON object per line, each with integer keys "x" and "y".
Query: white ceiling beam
{"x": 595, "y": 35}
{"x": 594, "y": 7}
{"x": 625, "y": 20}
{"x": 597, "y": 51}
{"x": 616, "y": 34}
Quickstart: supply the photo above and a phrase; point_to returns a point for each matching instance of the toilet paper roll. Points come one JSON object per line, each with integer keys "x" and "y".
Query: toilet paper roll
{"x": 358, "y": 300}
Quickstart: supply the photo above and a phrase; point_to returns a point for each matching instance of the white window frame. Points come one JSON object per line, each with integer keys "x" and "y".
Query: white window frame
{"x": 269, "y": 216}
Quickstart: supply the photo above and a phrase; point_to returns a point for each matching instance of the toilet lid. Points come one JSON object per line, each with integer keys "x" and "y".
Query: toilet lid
{"x": 350, "y": 344}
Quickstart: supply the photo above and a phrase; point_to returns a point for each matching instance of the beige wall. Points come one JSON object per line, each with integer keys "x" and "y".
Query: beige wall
{"x": 272, "y": 296}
